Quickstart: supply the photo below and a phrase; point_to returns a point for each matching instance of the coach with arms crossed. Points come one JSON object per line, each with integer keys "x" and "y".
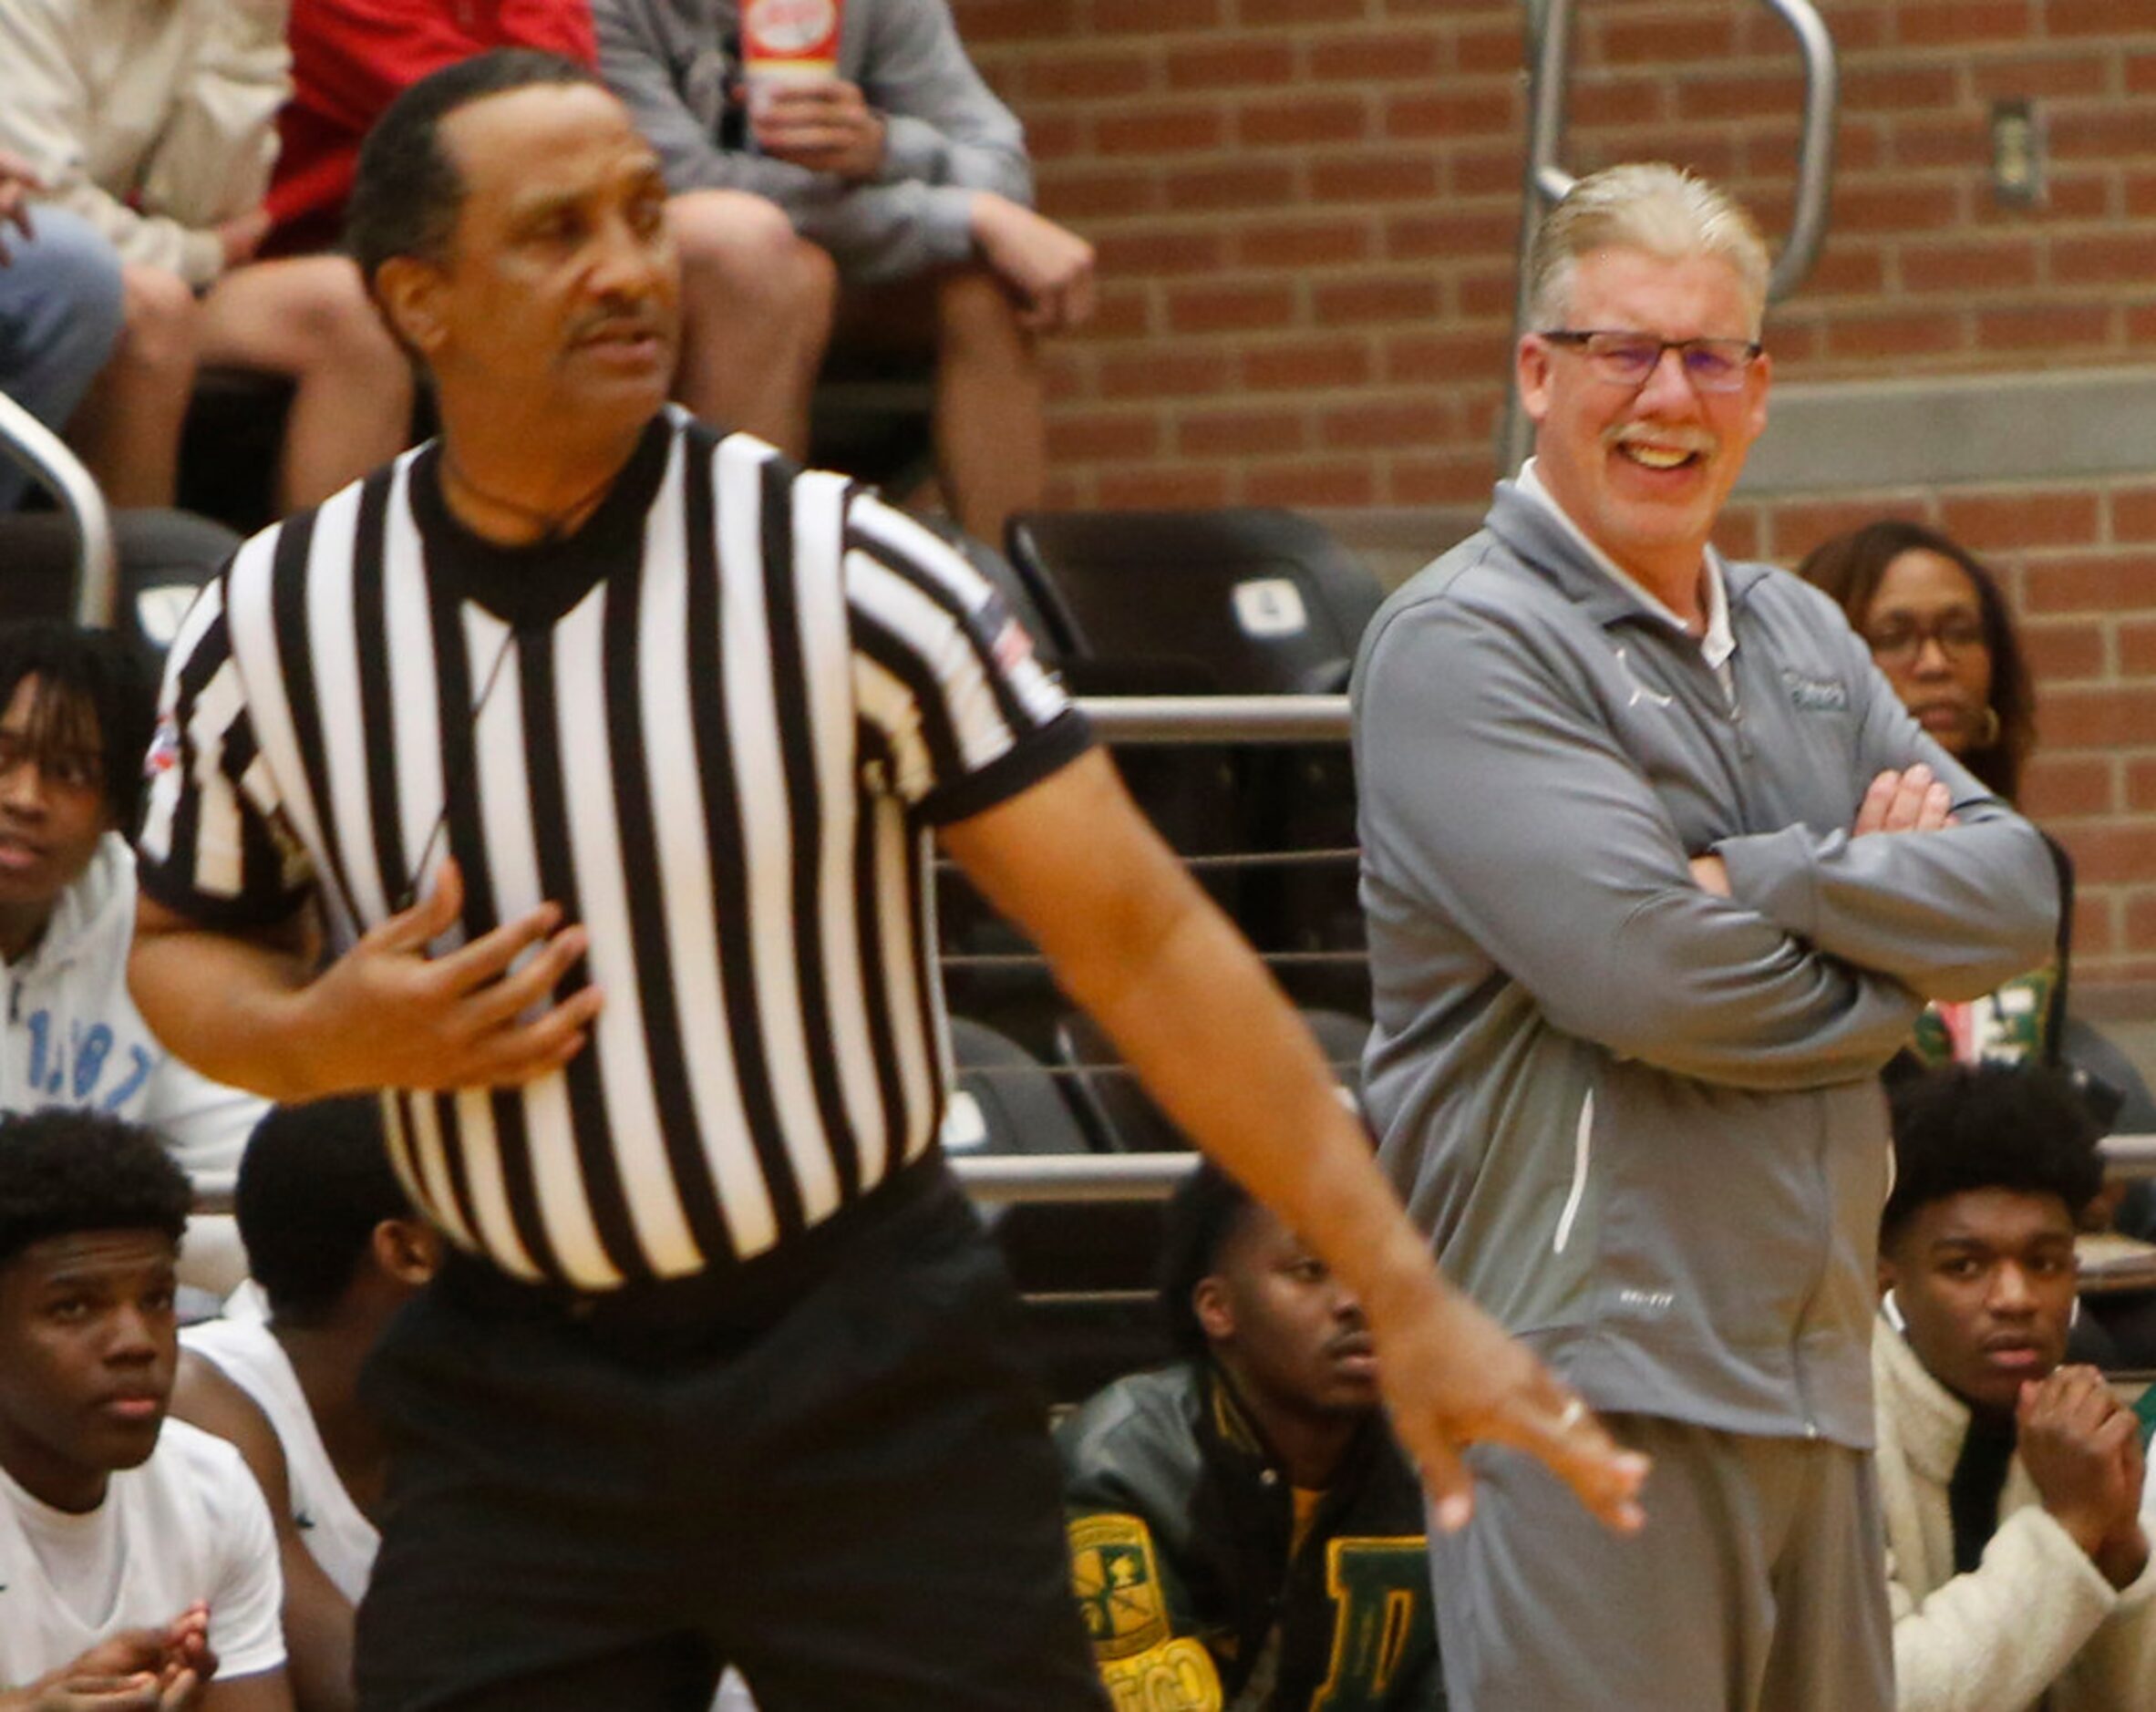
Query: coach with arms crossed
{"x": 719, "y": 1368}
{"x": 1658, "y": 874}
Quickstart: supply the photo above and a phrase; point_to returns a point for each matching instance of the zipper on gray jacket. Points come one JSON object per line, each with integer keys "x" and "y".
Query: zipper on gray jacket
{"x": 1583, "y": 1141}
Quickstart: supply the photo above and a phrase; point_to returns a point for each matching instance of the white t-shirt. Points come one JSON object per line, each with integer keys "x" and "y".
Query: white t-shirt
{"x": 338, "y": 1535}
{"x": 189, "y": 1524}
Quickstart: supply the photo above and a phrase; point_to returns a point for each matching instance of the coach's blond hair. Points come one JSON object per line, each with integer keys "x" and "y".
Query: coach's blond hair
{"x": 1646, "y": 205}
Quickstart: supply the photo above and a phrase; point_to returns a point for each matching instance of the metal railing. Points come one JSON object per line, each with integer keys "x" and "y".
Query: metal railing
{"x": 1002, "y": 1179}
{"x": 1010, "y": 1178}
{"x": 2129, "y": 1156}
{"x": 1059, "y": 1179}
{"x": 1218, "y": 718}
{"x": 1547, "y": 182}
{"x": 29, "y": 442}
{"x": 1006, "y": 1179}
{"x": 1165, "y": 719}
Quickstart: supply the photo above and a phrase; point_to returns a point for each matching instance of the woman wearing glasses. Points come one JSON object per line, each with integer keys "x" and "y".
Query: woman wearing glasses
{"x": 1938, "y": 627}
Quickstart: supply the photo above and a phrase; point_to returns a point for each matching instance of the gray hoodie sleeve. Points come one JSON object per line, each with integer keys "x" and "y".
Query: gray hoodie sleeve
{"x": 945, "y": 125}
{"x": 663, "y": 58}
{"x": 949, "y": 135}
{"x": 1497, "y": 801}
{"x": 1952, "y": 913}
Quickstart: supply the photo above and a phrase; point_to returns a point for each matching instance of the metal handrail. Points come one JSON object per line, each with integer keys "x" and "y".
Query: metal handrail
{"x": 1547, "y": 182}
{"x": 1011, "y": 1179}
{"x": 1004, "y": 1179}
{"x": 1815, "y": 147}
{"x": 2129, "y": 1156}
{"x": 1218, "y": 718}
{"x": 42, "y": 453}
{"x": 1000, "y": 1179}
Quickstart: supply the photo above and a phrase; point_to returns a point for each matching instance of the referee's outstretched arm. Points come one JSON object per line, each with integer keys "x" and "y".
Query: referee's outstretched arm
{"x": 1128, "y": 934}
{"x": 1136, "y": 942}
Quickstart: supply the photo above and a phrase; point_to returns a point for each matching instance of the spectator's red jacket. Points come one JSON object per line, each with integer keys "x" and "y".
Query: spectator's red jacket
{"x": 350, "y": 58}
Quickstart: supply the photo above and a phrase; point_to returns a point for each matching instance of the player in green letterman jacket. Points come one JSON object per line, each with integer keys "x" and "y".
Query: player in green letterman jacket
{"x": 1245, "y": 1536}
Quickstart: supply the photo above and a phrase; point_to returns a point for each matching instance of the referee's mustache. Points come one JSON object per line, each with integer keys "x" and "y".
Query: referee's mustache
{"x": 622, "y": 320}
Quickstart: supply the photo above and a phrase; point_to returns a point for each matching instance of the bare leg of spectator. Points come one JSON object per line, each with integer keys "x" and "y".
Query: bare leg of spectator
{"x": 757, "y": 305}
{"x": 991, "y": 436}
{"x": 127, "y": 427}
{"x": 991, "y": 430}
{"x": 310, "y": 318}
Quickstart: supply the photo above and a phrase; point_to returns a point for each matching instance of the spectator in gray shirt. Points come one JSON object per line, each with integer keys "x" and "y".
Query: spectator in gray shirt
{"x": 909, "y": 171}
{"x": 1658, "y": 874}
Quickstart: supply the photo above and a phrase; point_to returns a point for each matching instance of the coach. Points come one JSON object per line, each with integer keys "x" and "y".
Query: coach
{"x": 607, "y": 747}
{"x": 1658, "y": 874}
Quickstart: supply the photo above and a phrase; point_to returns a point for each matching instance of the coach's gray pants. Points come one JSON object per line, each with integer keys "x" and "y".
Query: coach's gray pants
{"x": 1758, "y": 1584}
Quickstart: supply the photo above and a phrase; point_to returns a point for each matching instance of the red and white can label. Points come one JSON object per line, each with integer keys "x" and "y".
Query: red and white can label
{"x": 790, "y": 40}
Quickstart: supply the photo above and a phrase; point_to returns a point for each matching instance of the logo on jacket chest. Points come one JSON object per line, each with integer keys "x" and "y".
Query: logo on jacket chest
{"x": 1816, "y": 694}
{"x": 1642, "y": 691}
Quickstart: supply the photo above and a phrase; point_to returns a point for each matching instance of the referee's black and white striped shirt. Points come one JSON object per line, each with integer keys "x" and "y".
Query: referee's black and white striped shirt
{"x": 725, "y": 711}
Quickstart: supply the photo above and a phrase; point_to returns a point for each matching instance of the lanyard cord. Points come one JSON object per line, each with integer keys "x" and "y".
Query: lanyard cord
{"x": 410, "y": 895}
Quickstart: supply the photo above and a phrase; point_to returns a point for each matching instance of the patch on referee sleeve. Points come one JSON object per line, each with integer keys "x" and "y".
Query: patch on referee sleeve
{"x": 164, "y": 747}
{"x": 1118, "y": 1584}
{"x": 1013, "y": 647}
{"x": 1175, "y": 1677}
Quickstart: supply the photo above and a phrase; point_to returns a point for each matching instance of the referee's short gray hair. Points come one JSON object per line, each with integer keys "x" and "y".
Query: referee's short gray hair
{"x": 1646, "y": 205}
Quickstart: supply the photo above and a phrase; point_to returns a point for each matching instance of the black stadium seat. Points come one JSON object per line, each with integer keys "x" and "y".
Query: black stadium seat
{"x": 1254, "y": 600}
{"x": 1086, "y": 1268}
{"x": 1241, "y": 602}
{"x": 1005, "y": 1100}
{"x": 1124, "y": 1117}
{"x": 164, "y": 557}
{"x": 1120, "y": 1113}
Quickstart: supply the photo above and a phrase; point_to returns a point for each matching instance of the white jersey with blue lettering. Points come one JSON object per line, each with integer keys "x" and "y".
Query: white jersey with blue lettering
{"x": 72, "y": 1035}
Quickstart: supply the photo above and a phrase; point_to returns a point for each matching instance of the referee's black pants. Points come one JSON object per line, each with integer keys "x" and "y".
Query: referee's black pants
{"x": 595, "y": 1508}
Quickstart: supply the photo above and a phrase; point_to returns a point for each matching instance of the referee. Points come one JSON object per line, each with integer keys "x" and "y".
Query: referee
{"x": 607, "y": 747}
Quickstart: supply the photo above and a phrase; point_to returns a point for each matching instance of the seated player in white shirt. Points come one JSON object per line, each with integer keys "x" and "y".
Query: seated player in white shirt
{"x": 137, "y": 1562}
{"x": 2013, "y": 1484}
{"x": 336, "y": 1249}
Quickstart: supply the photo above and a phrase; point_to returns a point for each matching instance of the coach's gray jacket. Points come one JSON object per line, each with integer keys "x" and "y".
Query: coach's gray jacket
{"x": 1643, "y": 1123}
{"x": 946, "y": 135}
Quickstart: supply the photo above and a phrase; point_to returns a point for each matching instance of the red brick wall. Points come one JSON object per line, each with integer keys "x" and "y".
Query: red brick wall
{"x": 1307, "y": 210}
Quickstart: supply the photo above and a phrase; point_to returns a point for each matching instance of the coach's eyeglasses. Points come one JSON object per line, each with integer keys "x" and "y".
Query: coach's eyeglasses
{"x": 1630, "y": 359}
